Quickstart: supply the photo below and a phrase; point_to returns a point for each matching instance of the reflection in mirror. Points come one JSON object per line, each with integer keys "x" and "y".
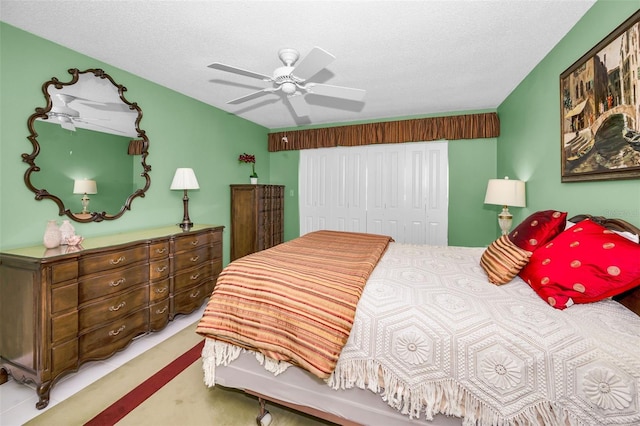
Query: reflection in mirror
{"x": 88, "y": 130}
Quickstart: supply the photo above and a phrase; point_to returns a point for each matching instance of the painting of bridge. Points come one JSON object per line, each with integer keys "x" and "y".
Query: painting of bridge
{"x": 600, "y": 109}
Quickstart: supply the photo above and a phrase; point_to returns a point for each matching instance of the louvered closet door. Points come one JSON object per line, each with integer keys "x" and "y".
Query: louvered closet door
{"x": 348, "y": 195}
{"x": 385, "y": 191}
{"x": 314, "y": 180}
{"x": 399, "y": 190}
{"x": 426, "y": 193}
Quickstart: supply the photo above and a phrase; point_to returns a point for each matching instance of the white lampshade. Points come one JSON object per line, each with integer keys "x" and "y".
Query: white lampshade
{"x": 505, "y": 192}
{"x": 184, "y": 178}
{"x": 85, "y": 186}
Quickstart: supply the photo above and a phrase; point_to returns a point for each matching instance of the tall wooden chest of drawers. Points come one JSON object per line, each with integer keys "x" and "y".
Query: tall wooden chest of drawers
{"x": 257, "y": 218}
{"x": 65, "y": 306}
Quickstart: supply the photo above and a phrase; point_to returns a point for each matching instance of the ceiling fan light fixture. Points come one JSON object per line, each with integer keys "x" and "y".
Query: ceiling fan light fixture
{"x": 288, "y": 88}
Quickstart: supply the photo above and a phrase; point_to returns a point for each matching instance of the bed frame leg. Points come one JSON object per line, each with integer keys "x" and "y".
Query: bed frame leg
{"x": 264, "y": 418}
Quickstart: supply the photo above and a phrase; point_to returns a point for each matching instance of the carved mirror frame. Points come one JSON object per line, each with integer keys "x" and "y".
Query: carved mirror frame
{"x": 42, "y": 113}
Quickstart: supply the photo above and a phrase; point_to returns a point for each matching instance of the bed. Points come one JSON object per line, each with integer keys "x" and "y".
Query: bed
{"x": 437, "y": 335}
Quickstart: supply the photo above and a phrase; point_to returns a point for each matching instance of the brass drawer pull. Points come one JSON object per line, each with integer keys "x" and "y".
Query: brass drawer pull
{"x": 117, "y": 308}
{"x": 161, "y": 251}
{"x": 118, "y": 331}
{"x": 161, "y": 311}
{"x": 194, "y": 242}
{"x": 194, "y": 258}
{"x": 161, "y": 290}
{"x": 194, "y": 277}
{"x": 194, "y": 295}
{"x": 117, "y": 261}
{"x": 117, "y": 283}
{"x": 161, "y": 268}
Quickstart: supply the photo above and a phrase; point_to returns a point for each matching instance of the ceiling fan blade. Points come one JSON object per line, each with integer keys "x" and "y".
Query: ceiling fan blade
{"x": 252, "y": 96}
{"x": 108, "y": 106}
{"x": 108, "y": 128}
{"x": 336, "y": 91}
{"x": 313, "y": 63}
{"x": 299, "y": 105}
{"x": 67, "y": 123}
{"x": 235, "y": 70}
{"x": 91, "y": 119}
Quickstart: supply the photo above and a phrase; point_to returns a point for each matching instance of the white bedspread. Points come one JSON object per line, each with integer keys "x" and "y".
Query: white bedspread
{"x": 432, "y": 335}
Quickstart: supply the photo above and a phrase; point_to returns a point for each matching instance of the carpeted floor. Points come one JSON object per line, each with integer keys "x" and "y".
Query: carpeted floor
{"x": 184, "y": 400}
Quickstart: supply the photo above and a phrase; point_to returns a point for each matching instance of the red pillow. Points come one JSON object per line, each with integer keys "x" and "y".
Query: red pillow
{"x": 583, "y": 264}
{"x": 538, "y": 228}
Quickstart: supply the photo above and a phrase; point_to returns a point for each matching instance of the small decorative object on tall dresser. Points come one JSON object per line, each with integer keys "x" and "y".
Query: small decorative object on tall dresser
{"x": 61, "y": 307}
{"x": 257, "y": 218}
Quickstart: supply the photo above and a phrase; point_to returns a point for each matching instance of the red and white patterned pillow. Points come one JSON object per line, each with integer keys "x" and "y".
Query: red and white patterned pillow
{"x": 583, "y": 264}
{"x": 538, "y": 228}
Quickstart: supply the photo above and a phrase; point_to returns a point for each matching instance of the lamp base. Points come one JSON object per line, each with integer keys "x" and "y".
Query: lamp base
{"x": 85, "y": 204}
{"x": 505, "y": 218}
{"x": 186, "y": 223}
{"x": 186, "y": 226}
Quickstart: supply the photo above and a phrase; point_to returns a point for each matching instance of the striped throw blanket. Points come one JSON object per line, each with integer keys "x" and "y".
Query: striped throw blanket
{"x": 294, "y": 302}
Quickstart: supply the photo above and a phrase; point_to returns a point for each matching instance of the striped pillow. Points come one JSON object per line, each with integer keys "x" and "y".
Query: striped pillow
{"x": 502, "y": 260}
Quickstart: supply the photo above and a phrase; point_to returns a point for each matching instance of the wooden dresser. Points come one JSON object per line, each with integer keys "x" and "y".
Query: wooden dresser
{"x": 65, "y": 306}
{"x": 257, "y": 218}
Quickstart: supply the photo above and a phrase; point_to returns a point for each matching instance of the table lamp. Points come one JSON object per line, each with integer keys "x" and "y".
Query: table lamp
{"x": 85, "y": 186}
{"x": 185, "y": 179}
{"x": 505, "y": 192}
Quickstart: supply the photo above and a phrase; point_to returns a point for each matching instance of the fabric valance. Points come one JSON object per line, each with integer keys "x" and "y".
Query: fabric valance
{"x": 471, "y": 126}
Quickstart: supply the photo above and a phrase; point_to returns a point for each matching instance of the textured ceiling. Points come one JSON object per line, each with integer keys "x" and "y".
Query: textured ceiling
{"x": 412, "y": 57}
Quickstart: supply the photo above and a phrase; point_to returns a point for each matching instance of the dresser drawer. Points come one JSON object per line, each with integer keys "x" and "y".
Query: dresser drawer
{"x": 120, "y": 280}
{"x": 64, "y": 297}
{"x": 64, "y": 357}
{"x": 159, "y": 250}
{"x": 187, "y": 301}
{"x": 159, "y": 269}
{"x": 217, "y": 268}
{"x": 104, "y": 262}
{"x": 216, "y": 251}
{"x": 64, "y": 327}
{"x": 189, "y": 259}
{"x": 112, "y": 308}
{"x": 158, "y": 291}
{"x": 191, "y": 241}
{"x": 105, "y": 341}
{"x": 159, "y": 315}
{"x": 192, "y": 277}
{"x": 64, "y": 271}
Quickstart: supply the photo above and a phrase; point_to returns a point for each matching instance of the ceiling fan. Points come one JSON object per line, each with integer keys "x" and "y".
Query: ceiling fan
{"x": 293, "y": 80}
{"x": 68, "y": 117}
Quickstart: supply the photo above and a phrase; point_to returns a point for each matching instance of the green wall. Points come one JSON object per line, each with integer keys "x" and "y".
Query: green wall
{"x": 185, "y": 133}
{"x": 67, "y": 155}
{"x": 529, "y": 142}
{"x": 182, "y": 132}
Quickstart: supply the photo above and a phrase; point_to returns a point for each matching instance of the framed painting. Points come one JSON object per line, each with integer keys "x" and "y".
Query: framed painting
{"x": 600, "y": 109}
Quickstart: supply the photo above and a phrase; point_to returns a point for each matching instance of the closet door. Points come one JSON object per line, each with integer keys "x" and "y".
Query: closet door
{"x": 314, "y": 180}
{"x": 400, "y": 190}
{"x": 386, "y": 190}
{"x": 348, "y": 190}
{"x": 426, "y": 193}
